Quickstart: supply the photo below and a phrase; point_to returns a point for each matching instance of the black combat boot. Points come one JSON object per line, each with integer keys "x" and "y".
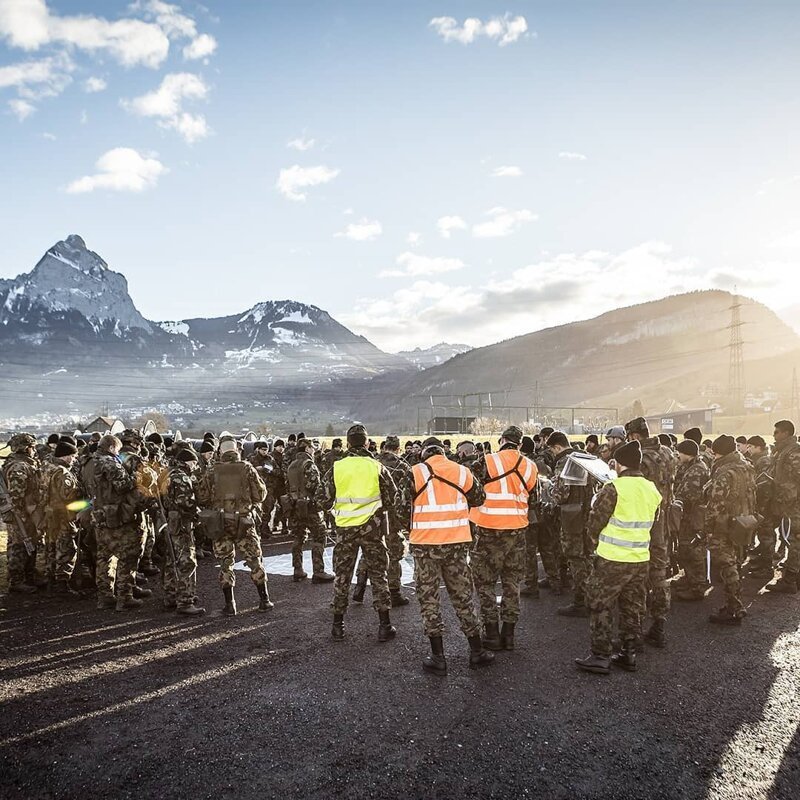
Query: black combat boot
{"x": 140, "y": 592}
{"x": 338, "y": 627}
{"x": 491, "y": 636}
{"x": 478, "y": 656}
{"x": 600, "y": 665}
{"x": 574, "y": 609}
{"x": 23, "y": 587}
{"x": 128, "y": 604}
{"x": 386, "y": 630}
{"x": 361, "y": 587}
{"x": 398, "y": 599}
{"x": 656, "y": 635}
{"x": 689, "y": 594}
{"x": 435, "y": 662}
{"x": 191, "y": 611}
{"x": 626, "y": 657}
{"x": 724, "y": 616}
{"x": 786, "y": 584}
{"x": 297, "y": 565}
{"x": 322, "y": 577}
{"x": 63, "y": 588}
{"x": 230, "y": 602}
{"x": 265, "y": 604}
{"x": 507, "y": 636}
{"x": 149, "y": 568}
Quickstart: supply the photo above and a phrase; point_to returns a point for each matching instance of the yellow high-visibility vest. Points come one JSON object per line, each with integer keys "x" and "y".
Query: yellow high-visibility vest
{"x": 627, "y": 535}
{"x": 358, "y": 491}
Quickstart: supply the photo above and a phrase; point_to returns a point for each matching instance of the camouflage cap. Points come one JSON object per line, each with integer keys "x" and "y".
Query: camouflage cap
{"x": 21, "y": 441}
{"x": 356, "y": 430}
{"x": 638, "y": 425}
{"x": 392, "y": 441}
{"x": 130, "y": 435}
{"x": 513, "y": 434}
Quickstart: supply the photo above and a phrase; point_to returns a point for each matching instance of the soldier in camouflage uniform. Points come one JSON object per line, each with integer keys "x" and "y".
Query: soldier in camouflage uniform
{"x": 657, "y": 466}
{"x": 20, "y": 473}
{"x": 441, "y": 553}
{"x": 395, "y": 541}
{"x": 761, "y": 562}
{"x": 266, "y": 468}
{"x": 366, "y": 533}
{"x": 732, "y": 493}
{"x": 232, "y": 487}
{"x": 117, "y": 510}
{"x": 61, "y": 489}
{"x": 786, "y": 504}
{"x": 690, "y": 482}
{"x": 574, "y": 505}
{"x": 618, "y": 531}
{"x": 179, "y": 576}
{"x": 305, "y": 518}
{"x": 508, "y": 478}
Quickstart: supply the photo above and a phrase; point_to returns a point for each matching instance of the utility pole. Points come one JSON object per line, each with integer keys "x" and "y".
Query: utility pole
{"x": 736, "y": 386}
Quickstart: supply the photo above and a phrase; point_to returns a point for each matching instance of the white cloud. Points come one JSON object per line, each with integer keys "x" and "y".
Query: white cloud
{"x": 415, "y": 265}
{"x": 33, "y": 80}
{"x": 21, "y": 109}
{"x": 446, "y": 225}
{"x": 502, "y": 222}
{"x": 554, "y": 291}
{"x": 506, "y": 172}
{"x": 50, "y": 137}
{"x": 790, "y": 241}
{"x": 122, "y": 169}
{"x": 565, "y": 155}
{"x": 30, "y": 25}
{"x": 414, "y": 238}
{"x": 200, "y": 47}
{"x": 504, "y": 30}
{"x": 364, "y": 230}
{"x": 166, "y": 105}
{"x": 301, "y": 143}
{"x": 293, "y": 179}
{"x": 93, "y": 85}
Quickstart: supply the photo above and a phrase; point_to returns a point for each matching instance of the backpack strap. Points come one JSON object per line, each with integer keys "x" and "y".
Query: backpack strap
{"x": 433, "y": 476}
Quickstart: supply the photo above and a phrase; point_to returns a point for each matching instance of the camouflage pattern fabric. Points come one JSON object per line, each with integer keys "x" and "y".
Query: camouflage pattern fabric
{"x": 368, "y": 537}
{"x": 62, "y": 488}
{"x": 786, "y": 505}
{"x": 181, "y": 505}
{"x": 124, "y": 543}
{"x": 498, "y": 554}
{"x": 246, "y": 540}
{"x": 689, "y": 485}
{"x": 447, "y": 563}
{"x": 22, "y": 482}
{"x": 615, "y": 585}
{"x": 309, "y": 527}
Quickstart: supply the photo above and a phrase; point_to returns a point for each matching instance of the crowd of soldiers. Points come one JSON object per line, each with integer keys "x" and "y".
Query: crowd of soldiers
{"x": 660, "y": 521}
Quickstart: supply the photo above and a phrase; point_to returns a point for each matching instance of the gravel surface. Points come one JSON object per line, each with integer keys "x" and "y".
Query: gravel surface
{"x": 149, "y": 705}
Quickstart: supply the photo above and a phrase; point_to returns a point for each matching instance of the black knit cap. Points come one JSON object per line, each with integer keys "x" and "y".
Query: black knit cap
{"x": 209, "y": 436}
{"x": 664, "y": 439}
{"x": 207, "y": 447}
{"x": 336, "y": 443}
{"x": 53, "y": 438}
{"x": 695, "y": 434}
{"x": 155, "y": 438}
{"x": 724, "y": 445}
{"x": 68, "y": 439}
{"x": 279, "y": 443}
{"x": 689, "y": 447}
{"x": 65, "y": 449}
{"x": 513, "y": 434}
{"x": 527, "y": 446}
{"x": 629, "y": 455}
{"x": 757, "y": 441}
{"x": 185, "y": 454}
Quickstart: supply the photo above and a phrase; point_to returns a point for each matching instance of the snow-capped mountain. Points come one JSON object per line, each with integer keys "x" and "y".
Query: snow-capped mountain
{"x": 422, "y": 358}
{"x": 72, "y": 318}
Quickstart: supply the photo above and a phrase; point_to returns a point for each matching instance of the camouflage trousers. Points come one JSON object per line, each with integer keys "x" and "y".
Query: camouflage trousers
{"x": 692, "y": 557}
{"x": 445, "y": 563}
{"x": 792, "y": 563}
{"x": 368, "y": 537}
{"x": 498, "y": 554}
{"x": 21, "y": 566}
{"x": 575, "y": 547}
{"x": 179, "y": 576}
{"x": 149, "y": 540}
{"x": 310, "y": 527}
{"x": 65, "y": 553}
{"x": 615, "y": 585}
{"x": 541, "y": 539}
{"x": 246, "y": 539}
{"x": 118, "y": 552}
{"x": 726, "y": 560}
{"x": 396, "y": 547}
{"x": 657, "y": 573}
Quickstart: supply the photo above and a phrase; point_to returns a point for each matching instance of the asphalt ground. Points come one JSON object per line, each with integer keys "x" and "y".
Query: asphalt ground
{"x": 151, "y": 705}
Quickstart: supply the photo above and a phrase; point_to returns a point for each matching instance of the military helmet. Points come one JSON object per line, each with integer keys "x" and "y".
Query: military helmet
{"x": 21, "y": 441}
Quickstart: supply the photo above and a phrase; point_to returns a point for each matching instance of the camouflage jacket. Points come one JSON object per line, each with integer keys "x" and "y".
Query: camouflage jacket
{"x": 62, "y": 488}
{"x": 181, "y": 496}
{"x": 786, "y": 473}
{"x": 267, "y": 469}
{"x": 658, "y": 467}
{"x": 732, "y": 492}
{"x": 398, "y": 467}
{"x": 21, "y": 474}
{"x": 329, "y": 458}
{"x": 407, "y": 491}
{"x": 311, "y": 474}
{"x": 568, "y": 494}
{"x": 254, "y": 495}
{"x": 690, "y": 483}
{"x": 325, "y": 494}
{"x": 113, "y": 483}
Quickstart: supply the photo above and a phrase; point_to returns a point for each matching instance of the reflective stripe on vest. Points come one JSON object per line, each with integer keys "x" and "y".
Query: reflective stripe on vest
{"x": 358, "y": 491}
{"x": 627, "y": 535}
{"x": 440, "y": 513}
{"x": 506, "y": 504}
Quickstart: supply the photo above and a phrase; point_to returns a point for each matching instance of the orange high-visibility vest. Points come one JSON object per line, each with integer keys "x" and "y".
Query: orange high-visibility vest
{"x": 440, "y": 514}
{"x": 512, "y": 477}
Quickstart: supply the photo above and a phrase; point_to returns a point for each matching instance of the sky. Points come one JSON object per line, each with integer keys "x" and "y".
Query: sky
{"x": 426, "y": 172}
